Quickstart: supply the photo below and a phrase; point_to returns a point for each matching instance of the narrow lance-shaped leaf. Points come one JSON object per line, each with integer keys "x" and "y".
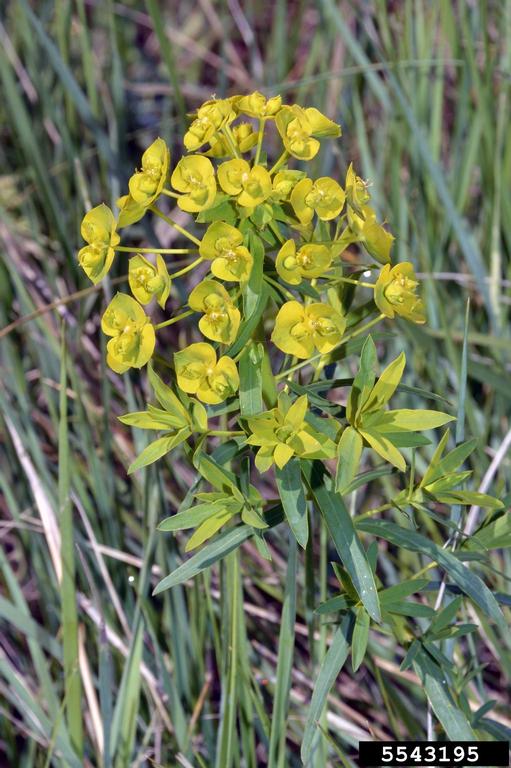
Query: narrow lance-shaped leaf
{"x": 330, "y": 668}
{"x": 289, "y": 484}
{"x": 344, "y": 536}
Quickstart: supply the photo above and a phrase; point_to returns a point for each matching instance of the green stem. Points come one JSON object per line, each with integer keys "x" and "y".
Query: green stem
{"x": 231, "y": 141}
{"x": 186, "y": 269}
{"x": 282, "y": 159}
{"x": 170, "y": 194}
{"x": 174, "y": 319}
{"x": 224, "y": 432}
{"x": 276, "y": 231}
{"x": 371, "y": 512}
{"x": 127, "y": 249}
{"x": 279, "y": 287}
{"x": 260, "y": 136}
{"x": 353, "y": 282}
{"x": 174, "y": 224}
{"x": 347, "y": 338}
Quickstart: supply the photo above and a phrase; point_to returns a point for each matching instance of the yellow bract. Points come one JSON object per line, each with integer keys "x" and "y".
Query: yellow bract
{"x": 211, "y": 117}
{"x": 148, "y": 281}
{"x": 250, "y": 186}
{"x": 221, "y": 319}
{"x": 194, "y": 176}
{"x": 300, "y": 130}
{"x": 146, "y": 185}
{"x": 199, "y": 373}
{"x": 310, "y": 261}
{"x": 130, "y": 211}
{"x": 356, "y": 190}
{"x": 283, "y": 433}
{"x": 223, "y": 245}
{"x": 395, "y": 293}
{"x": 299, "y": 329}
{"x": 284, "y": 182}
{"x": 366, "y": 229}
{"x": 257, "y": 105}
{"x": 244, "y": 138}
{"x": 133, "y": 334}
{"x": 98, "y": 230}
{"x": 323, "y": 196}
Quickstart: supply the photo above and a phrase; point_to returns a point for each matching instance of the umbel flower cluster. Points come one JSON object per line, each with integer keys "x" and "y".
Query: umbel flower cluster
{"x": 281, "y": 257}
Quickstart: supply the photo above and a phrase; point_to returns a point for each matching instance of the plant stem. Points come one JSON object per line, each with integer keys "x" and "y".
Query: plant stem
{"x": 186, "y": 269}
{"x": 280, "y": 287}
{"x": 127, "y": 249}
{"x": 353, "y": 282}
{"x": 260, "y": 136}
{"x": 170, "y": 194}
{"x": 173, "y": 319}
{"x": 371, "y": 512}
{"x": 282, "y": 159}
{"x": 174, "y": 224}
{"x": 347, "y": 338}
{"x": 231, "y": 141}
{"x": 224, "y": 432}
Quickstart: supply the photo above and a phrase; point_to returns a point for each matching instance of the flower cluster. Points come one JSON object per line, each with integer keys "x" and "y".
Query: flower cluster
{"x": 278, "y": 258}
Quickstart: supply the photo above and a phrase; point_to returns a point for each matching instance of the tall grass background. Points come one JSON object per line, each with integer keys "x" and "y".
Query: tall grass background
{"x": 93, "y": 670}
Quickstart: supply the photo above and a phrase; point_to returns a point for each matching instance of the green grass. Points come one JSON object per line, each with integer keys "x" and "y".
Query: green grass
{"x": 199, "y": 675}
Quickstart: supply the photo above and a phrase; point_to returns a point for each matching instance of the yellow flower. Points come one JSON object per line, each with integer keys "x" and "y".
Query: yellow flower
{"x": 133, "y": 334}
{"x": 284, "y": 182}
{"x": 146, "y": 185}
{"x": 223, "y": 245}
{"x": 395, "y": 294}
{"x": 244, "y": 139}
{"x": 211, "y": 117}
{"x": 323, "y": 196}
{"x": 199, "y": 373}
{"x": 356, "y": 190}
{"x": 310, "y": 261}
{"x": 300, "y": 130}
{"x": 221, "y": 319}
{"x": 257, "y": 105}
{"x": 194, "y": 176}
{"x": 147, "y": 280}
{"x": 129, "y": 211}
{"x": 98, "y": 230}
{"x": 299, "y": 329}
{"x": 282, "y": 433}
{"x": 251, "y": 186}
{"x": 375, "y": 238}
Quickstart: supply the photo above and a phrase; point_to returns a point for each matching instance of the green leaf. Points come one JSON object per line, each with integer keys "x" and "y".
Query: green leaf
{"x": 344, "y": 536}
{"x": 467, "y": 581}
{"x": 384, "y": 448}
{"x": 208, "y": 528}
{"x": 157, "y": 449}
{"x": 386, "y": 385}
{"x": 446, "y": 616}
{"x": 495, "y": 534}
{"x": 367, "y": 477}
{"x": 349, "y": 452}
{"x": 363, "y": 381}
{"x": 166, "y": 397}
{"x": 277, "y": 746}
{"x": 254, "y": 287}
{"x": 469, "y": 497}
{"x": 330, "y": 668}
{"x": 360, "y": 638}
{"x": 151, "y": 419}
{"x": 400, "y": 591}
{"x": 194, "y": 516}
{"x": 206, "y": 557}
{"x": 248, "y": 327}
{"x": 289, "y": 484}
{"x": 408, "y": 419}
{"x": 453, "y": 720}
{"x": 251, "y": 395}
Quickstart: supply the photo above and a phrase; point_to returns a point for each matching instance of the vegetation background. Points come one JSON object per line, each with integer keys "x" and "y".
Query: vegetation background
{"x": 422, "y": 91}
